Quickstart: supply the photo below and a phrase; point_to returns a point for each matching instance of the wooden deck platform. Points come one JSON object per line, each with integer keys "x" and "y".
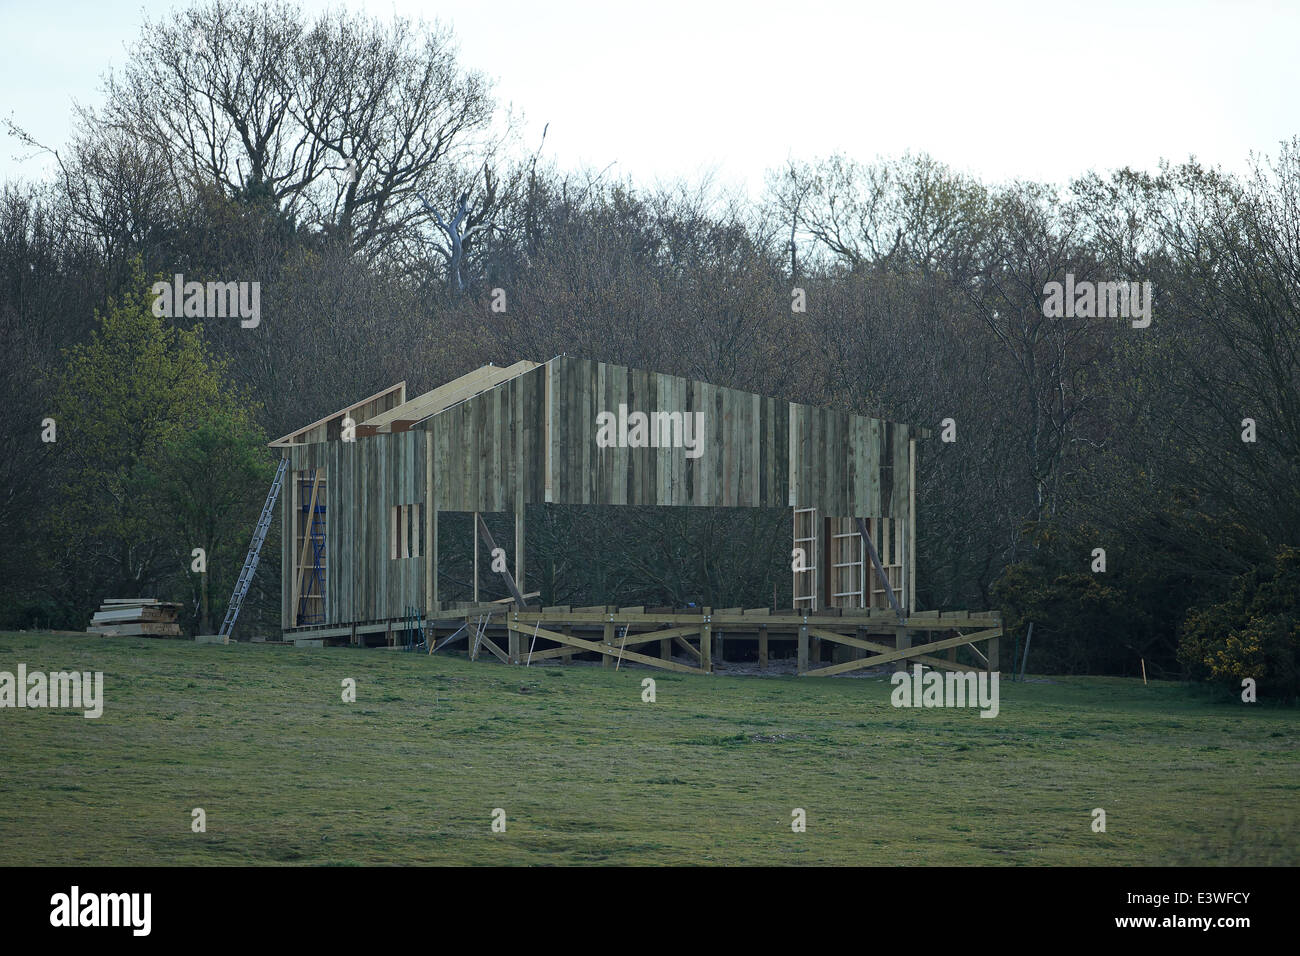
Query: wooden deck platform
{"x": 857, "y": 639}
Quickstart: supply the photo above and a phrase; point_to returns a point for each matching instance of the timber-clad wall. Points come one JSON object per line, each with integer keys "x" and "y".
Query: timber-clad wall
{"x": 532, "y": 439}
{"x": 364, "y": 480}
{"x": 847, "y": 465}
{"x": 843, "y": 464}
{"x": 743, "y": 461}
{"x": 489, "y": 449}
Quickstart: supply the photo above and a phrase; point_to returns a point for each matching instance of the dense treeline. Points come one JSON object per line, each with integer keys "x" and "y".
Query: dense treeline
{"x": 371, "y": 185}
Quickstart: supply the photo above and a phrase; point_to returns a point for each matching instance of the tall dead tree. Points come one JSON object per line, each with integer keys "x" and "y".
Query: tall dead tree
{"x": 463, "y": 227}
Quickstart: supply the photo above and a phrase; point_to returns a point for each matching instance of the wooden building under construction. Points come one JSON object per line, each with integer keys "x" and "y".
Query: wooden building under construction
{"x": 366, "y": 485}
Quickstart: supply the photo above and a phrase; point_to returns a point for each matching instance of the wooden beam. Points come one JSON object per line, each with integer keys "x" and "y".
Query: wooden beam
{"x": 632, "y": 640}
{"x": 547, "y": 431}
{"x": 289, "y": 439}
{"x": 402, "y": 417}
{"x": 306, "y": 543}
{"x": 487, "y": 642}
{"x": 903, "y": 653}
{"x": 880, "y": 571}
{"x": 603, "y": 648}
{"x": 865, "y": 645}
{"x": 911, "y": 526}
{"x": 511, "y": 600}
{"x": 494, "y": 376}
{"x": 646, "y": 637}
{"x": 431, "y": 530}
{"x": 456, "y": 635}
{"x": 706, "y": 642}
{"x": 549, "y": 653}
{"x": 848, "y": 641}
{"x": 940, "y": 663}
{"x": 878, "y": 620}
{"x": 492, "y": 546}
{"x": 519, "y": 542}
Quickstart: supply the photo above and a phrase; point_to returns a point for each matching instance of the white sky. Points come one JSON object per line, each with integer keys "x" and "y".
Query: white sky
{"x": 670, "y": 89}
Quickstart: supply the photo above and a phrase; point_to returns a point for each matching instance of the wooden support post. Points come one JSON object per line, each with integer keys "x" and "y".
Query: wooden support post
{"x": 512, "y": 647}
{"x": 434, "y": 603}
{"x": 666, "y": 649}
{"x": 706, "y": 642}
{"x": 762, "y": 647}
{"x": 519, "y": 543}
{"x": 477, "y": 519}
{"x": 1024, "y": 661}
{"x": 803, "y": 647}
{"x": 911, "y": 527}
{"x": 548, "y": 431}
{"x": 567, "y": 657}
{"x": 430, "y": 532}
{"x": 814, "y": 650}
{"x": 992, "y": 648}
{"x": 607, "y": 660}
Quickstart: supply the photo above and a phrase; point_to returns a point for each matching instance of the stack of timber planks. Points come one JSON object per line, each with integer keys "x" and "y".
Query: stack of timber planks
{"x": 135, "y": 617}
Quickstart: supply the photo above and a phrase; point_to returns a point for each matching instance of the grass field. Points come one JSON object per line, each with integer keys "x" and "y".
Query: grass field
{"x": 587, "y": 773}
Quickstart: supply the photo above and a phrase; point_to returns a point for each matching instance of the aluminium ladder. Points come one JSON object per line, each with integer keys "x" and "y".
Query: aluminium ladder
{"x": 254, "y": 554}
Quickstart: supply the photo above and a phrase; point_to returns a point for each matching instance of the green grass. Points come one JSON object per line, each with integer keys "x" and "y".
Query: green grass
{"x": 260, "y": 738}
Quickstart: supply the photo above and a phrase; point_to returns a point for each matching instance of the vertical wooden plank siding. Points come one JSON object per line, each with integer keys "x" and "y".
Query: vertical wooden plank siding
{"x": 532, "y": 439}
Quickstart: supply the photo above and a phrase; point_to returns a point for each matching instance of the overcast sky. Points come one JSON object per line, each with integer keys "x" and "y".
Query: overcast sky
{"x": 668, "y": 89}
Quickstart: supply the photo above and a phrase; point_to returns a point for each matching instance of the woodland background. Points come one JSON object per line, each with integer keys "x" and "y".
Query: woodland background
{"x": 327, "y": 158}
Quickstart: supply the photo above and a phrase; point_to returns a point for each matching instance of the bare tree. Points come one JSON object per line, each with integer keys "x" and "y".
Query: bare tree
{"x": 340, "y": 123}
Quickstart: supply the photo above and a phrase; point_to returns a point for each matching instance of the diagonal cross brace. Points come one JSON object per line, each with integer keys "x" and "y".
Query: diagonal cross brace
{"x": 880, "y": 570}
{"x": 492, "y": 546}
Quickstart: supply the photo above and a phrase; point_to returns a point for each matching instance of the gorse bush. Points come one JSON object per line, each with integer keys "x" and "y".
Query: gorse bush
{"x": 1255, "y": 633}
